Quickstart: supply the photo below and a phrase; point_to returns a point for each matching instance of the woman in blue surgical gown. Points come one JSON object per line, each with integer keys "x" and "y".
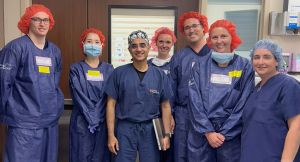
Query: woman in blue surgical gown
{"x": 271, "y": 120}
{"x": 87, "y": 78}
{"x": 219, "y": 86}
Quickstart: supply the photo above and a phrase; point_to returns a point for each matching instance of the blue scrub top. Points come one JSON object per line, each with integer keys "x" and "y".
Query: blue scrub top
{"x": 180, "y": 69}
{"x": 87, "y": 87}
{"x": 29, "y": 77}
{"x": 136, "y": 100}
{"x": 265, "y": 119}
{"x": 218, "y": 94}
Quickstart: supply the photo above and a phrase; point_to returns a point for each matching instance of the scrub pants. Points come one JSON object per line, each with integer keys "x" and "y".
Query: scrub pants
{"x": 230, "y": 151}
{"x": 89, "y": 147}
{"x": 182, "y": 122}
{"x": 133, "y": 137}
{"x": 31, "y": 145}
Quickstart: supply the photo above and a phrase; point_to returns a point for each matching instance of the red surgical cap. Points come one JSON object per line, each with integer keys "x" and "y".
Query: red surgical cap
{"x": 196, "y": 15}
{"x": 158, "y": 32}
{"x": 23, "y": 24}
{"x": 230, "y": 27}
{"x": 88, "y": 31}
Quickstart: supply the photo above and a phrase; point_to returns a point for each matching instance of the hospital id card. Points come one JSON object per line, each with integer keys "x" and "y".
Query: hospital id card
{"x": 94, "y": 77}
{"x": 220, "y": 79}
{"x": 43, "y": 61}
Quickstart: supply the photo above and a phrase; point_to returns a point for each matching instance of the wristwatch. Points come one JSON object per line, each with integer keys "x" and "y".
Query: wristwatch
{"x": 168, "y": 135}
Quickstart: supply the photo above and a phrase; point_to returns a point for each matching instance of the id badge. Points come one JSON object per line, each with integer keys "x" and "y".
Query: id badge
{"x": 43, "y": 61}
{"x": 220, "y": 79}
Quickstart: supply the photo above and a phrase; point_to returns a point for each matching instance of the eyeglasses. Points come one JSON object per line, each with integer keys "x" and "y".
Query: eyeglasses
{"x": 38, "y": 21}
{"x": 134, "y": 46}
{"x": 189, "y": 27}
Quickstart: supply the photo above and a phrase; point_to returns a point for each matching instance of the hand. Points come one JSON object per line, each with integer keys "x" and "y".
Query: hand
{"x": 172, "y": 124}
{"x": 214, "y": 139}
{"x": 93, "y": 128}
{"x": 112, "y": 143}
{"x": 166, "y": 143}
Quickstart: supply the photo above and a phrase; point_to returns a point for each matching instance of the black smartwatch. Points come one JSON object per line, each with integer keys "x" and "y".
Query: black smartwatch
{"x": 168, "y": 135}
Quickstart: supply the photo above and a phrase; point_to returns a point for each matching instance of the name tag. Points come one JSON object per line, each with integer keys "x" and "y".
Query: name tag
{"x": 235, "y": 73}
{"x": 93, "y": 73}
{"x": 220, "y": 79}
{"x": 43, "y": 61}
{"x": 94, "y": 78}
{"x": 44, "y": 69}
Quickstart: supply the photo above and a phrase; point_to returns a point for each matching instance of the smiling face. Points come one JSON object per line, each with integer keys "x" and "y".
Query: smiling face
{"x": 139, "y": 49}
{"x": 39, "y": 29}
{"x": 193, "y": 30}
{"x": 264, "y": 63}
{"x": 220, "y": 40}
{"x": 164, "y": 44}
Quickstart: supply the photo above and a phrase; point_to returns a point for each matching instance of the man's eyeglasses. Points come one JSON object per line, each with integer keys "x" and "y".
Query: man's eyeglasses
{"x": 134, "y": 46}
{"x": 38, "y": 21}
{"x": 189, "y": 27}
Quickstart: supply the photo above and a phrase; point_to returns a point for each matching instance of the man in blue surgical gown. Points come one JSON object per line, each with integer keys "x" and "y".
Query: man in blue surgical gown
{"x": 135, "y": 93}
{"x": 193, "y": 26}
{"x": 31, "y": 101}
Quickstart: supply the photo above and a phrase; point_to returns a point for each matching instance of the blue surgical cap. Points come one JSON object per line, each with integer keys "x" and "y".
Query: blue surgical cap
{"x": 271, "y": 46}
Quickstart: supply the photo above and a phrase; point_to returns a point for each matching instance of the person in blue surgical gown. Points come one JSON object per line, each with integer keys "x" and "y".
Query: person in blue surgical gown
{"x": 193, "y": 26}
{"x": 87, "y": 80}
{"x": 162, "y": 42}
{"x": 219, "y": 87}
{"x": 30, "y": 100}
{"x": 136, "y": 92}
{"x": 271, "y": 117}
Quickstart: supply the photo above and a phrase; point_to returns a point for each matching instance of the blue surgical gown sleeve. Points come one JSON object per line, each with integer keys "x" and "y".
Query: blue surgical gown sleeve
{"x": 9, "y": 63}
{"x": 112, "y": 87}
{"x": 87, "y": 107}
{"x": 173, "y": 81}
{"x": 167, "y": 90}
{"x": 290, "y": 100}
{"x": 199, "y": 121}
{"x": 232, "y": 125}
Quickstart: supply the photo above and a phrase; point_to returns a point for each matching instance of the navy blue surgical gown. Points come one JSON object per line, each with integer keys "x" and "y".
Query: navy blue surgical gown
{"x": 166, "y": 156}
{"x": 217, "y": 96}
{"x": 137, "y": 103}
{"x": 31, "y": 101}
{"x": 265, "y": 119}
{"x": 87, "y": 87}
{"x": 180, "y": 67}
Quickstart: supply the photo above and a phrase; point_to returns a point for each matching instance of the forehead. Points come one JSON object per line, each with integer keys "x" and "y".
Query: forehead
{"x": 190, "y": 22}
{"x": 41, "y": 15}
{"x": 164, "y": 37}
{"x": 219, "y": 30}
{"x": 261, "y": 52}
{"x": 93, "y": 36}
{"x": 138, "y": 41}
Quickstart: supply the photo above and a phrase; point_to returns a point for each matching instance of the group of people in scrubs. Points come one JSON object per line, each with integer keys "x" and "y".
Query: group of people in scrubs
{"x": 205, "y": 94}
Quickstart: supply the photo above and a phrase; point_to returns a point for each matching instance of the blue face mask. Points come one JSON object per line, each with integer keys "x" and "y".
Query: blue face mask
{"x": 222, "y": 58}
{"x": 92, "y": 50}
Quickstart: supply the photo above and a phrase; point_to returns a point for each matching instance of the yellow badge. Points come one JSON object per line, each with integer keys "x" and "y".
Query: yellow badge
{"x": 44, "y": 69}
{"x": 93, "y": 73}
{"x": 235, "y": 73}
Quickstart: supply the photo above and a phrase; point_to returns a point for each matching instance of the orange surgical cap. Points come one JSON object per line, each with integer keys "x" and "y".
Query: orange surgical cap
{"x": 88, "y": 31}
{"x": 230, "y": 27}
{"x": 23, "y": 24}
{"x": 158, "y": 32}
{"x": 196, "y": 15}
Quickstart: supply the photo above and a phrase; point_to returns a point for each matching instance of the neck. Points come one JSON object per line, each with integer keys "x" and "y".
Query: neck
{"x": 197, "y": 46}
{"x": 38, "y": 41}
{"x": 223, "y": 65}
{"x": 141, "y": 66}
{"x": 264, "y": 79}
{"x": 163, "y": 57}
{"x": 92, "y": 62}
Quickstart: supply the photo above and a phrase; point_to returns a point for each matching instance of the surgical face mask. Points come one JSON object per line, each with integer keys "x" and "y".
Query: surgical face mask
{"x": 92, "y": 50}
{"x": 222, "y": 58}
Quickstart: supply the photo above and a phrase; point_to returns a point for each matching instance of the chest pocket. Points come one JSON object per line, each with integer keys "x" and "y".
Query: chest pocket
{"x": 153, "y": 103}
{"x": 265, "y": 112}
